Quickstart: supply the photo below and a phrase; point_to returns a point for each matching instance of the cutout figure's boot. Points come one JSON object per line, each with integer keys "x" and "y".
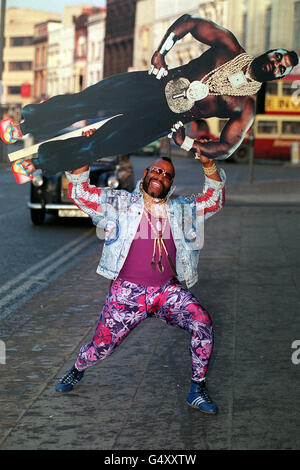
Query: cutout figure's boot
{"x": 10, "y": 131}
{"x": 23, "y": 170}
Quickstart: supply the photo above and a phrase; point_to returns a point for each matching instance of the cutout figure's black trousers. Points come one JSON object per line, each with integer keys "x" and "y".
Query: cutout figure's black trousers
{"x": 135, "y": 98}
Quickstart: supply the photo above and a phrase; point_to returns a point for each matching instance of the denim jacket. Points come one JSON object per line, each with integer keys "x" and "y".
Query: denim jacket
{"x": 119, "y": 212}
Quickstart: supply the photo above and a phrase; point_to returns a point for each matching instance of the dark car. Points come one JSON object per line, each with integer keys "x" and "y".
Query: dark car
{"x": 151, "y": 149}
{"x": 49, "y": 195}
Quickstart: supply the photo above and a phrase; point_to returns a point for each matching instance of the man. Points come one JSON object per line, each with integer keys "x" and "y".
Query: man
{"x": 222, "y": 82}
{"x": 151, "y": 246}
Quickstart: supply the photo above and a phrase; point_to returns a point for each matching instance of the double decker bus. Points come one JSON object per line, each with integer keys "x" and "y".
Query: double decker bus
{"x": 278, "y": 127}
{"x": 277, "y": 122}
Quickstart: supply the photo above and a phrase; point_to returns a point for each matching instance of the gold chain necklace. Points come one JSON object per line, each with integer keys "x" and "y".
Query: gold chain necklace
{"x": 156, "y": 206}
{"x": 219, "y": 80}
{"x": 227, "y": 79}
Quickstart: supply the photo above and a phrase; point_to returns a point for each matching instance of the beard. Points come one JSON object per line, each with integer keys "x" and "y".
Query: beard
{"x": 161, "y": 195}
{"x": 258, "y": 67}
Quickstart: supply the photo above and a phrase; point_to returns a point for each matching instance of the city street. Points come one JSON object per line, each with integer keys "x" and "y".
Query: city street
{"x": 223, "y": 78}
{"x": 50, "y": 298}
{"x": 32, "y": 255}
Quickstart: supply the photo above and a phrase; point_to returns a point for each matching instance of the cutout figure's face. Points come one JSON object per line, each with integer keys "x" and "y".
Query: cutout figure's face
{"x": 272, "y": 65}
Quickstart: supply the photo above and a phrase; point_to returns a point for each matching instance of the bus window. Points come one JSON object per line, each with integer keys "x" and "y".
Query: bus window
{"x": 222, "y": 123}
{"x": 267, "y": 127}
{"x": 271, "y": 89}
{"x": 291, "y": 127}
{"x": 287, "y": 89}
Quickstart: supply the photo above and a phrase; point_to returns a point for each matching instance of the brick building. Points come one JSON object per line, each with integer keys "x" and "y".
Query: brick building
{"x": 120, "y": 23}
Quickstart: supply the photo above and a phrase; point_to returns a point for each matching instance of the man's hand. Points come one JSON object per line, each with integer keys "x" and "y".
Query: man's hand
{"x": 88, "y": 133}
{"x": 178, "y": 135}
{"x": 204, "y": 160}
{"x": 159, "y": 67}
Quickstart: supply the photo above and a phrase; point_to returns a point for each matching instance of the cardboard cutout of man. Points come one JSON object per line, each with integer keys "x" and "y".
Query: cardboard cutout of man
{"x": 222, "y": 82}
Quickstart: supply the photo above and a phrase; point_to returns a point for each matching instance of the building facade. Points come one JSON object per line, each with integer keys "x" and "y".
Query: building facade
{"x": 259, "y": 25}
{"x": 19, "y": 56}
{"x": 43, "y": 56}
{"x": 80, "y": 52}
{"x": 267, "y": 24}
{"x": 40, "y": 66}
{"x": 119, "y": 37}
{"x": 60, "y": 60}
{"x": 95, "y": 53}
{"x": 81, "y": 47}
{"x": 153, "y": 18}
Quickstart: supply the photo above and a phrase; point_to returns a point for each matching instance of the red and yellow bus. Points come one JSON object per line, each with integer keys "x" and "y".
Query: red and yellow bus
{"x": 277, "y": 127}
{"x": 274, "y": 135}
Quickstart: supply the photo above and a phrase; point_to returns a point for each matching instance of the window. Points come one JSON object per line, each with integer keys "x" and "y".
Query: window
{"x": 296, "y": 38}
{"x": 268, "y": 28}
{"x": 221, "y": 124}
{"x": 267, "y": 127}
{"x": 99, "y": 48}
{"x": 92, "y": 51}
{"x": 14, "y": 90}
{"x": 244, "y": 30}
{"x": 291, "y": 127}
{"x": 287, "y": 89}
{"x": 44, "y": 56}
{"x": 81, "y": 47}
{"x": 145, "y": 38}
{"x": 271, "y": 89}
{"x": 19, "y": 66}
{"x": 37, "y": 56}
{"x": 21, "y": 41}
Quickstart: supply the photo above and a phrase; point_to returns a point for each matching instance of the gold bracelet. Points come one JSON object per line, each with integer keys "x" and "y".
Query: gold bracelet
{"x": 210, "y": 170}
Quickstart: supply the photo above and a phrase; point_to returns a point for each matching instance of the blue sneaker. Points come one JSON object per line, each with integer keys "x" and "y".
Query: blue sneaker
{"x": 198, "y": 398}
{"x": 70, "y": 379}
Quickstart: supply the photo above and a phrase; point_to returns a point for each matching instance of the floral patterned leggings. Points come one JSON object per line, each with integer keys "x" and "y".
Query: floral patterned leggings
{"x": 127, "y": 304}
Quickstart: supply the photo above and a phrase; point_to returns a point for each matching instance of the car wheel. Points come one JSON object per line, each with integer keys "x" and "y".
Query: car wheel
{"x": 37, "y": 216}
{"x": 241, "y": 155}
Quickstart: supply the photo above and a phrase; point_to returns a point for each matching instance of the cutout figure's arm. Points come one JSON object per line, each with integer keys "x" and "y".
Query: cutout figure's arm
{"x": 203, "y": 30}
{"x": 231, "y": 136}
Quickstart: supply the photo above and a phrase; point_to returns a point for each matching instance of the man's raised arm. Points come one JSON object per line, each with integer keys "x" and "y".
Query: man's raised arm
{"x": 203, "y": 30}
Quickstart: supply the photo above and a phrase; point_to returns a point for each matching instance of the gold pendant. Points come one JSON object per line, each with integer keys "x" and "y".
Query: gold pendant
{"x": 197, "y": 91}
{"x": 237, "y": 79}
{"x": 154, "y": 254}
{"x": 160, "y": 267}
{"x": 175, "y": 95}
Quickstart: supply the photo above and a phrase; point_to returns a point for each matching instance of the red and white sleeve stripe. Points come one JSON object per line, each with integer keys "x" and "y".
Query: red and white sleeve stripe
{"x": 211, "y": 201}
{"x": 87, "y": 197}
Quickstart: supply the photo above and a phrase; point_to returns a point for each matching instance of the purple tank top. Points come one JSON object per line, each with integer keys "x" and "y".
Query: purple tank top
{"x": 137, "y": 267}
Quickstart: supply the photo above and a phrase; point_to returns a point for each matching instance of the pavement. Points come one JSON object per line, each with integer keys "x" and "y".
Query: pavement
{"x": 135, "y": 400}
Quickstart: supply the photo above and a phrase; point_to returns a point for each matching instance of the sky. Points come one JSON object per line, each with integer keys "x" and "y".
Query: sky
{"x": 53, "y": 6}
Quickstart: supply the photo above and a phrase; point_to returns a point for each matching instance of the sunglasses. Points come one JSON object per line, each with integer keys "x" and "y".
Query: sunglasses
{"x": 160, "y": 171}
